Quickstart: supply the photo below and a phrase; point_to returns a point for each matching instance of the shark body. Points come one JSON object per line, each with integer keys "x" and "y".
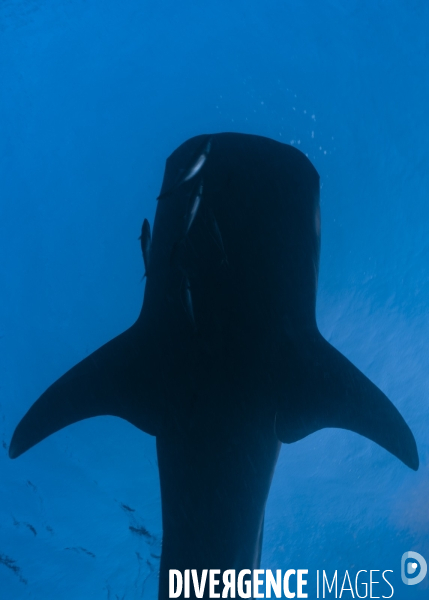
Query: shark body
{"x": 225, "y": 361}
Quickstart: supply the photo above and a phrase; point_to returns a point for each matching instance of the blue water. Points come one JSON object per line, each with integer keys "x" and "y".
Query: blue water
{"x": 94, "y": 96}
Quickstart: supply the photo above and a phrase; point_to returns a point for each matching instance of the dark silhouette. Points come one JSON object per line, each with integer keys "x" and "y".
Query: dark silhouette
{"x": 225, "y": 361}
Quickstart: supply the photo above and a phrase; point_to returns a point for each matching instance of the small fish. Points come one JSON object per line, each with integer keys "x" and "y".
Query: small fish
{"x": 192, "y": 209}
{"x": 193, "y": 170}
{"x": 146, "y": 243}
{"x": 197, "y": 166}
{"x": 217, "y": 236}
{"x": 188, "y": 304}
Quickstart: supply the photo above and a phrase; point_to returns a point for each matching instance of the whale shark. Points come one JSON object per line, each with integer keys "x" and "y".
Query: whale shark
{"x": 225, "y": 361}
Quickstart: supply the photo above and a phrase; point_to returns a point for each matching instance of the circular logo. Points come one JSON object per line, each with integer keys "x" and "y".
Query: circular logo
{"x": 413, "y": 568}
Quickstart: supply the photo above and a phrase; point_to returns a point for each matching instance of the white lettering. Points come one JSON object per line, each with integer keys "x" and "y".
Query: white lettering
{"x": 371, "y": 583}
{"x": 330, "y": 588}
{"x": 213, "y": 583}
{"x": 228, "y": 579}
{"x": 247, "y": 584}
{"x": 187, "y": 583}
{"x": 388, "y": 582}
{"x": 257, "y": 583}
{"x": 174, "y": 576}
{"x": 275, "y": 584}
{"x": 365, "y": 584}
{"x": 251, "y": 584}
{"x": 199, "y": 588}
{"x": 286, "y": 590}
{"x": 301, "y": 582}
{"x": 345, "y": 589}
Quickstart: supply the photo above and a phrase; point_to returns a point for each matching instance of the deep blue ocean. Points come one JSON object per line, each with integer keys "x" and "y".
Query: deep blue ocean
{"x": 94, "y": 96}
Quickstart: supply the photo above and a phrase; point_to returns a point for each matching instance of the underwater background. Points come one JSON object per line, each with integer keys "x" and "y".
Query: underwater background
{"x": 94, "y": 95}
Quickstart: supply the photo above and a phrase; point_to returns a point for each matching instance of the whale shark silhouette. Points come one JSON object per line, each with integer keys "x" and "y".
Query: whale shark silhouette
{"x": 225, "y": 361}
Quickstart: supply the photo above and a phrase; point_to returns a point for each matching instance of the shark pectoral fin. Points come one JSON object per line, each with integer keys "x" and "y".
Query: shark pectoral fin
{"x": 324, "y": 389}
{"x": 118, "y": 379}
